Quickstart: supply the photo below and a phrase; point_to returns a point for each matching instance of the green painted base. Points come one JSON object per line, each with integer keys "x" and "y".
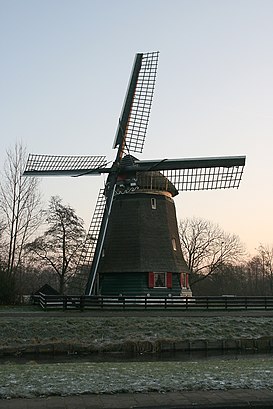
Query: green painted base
{"x": 135, "y": 284}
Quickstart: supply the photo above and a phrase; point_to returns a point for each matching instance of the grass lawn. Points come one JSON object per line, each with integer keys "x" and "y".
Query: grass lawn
{"x": 35, "y": 379}
{"x": 114, "y": 333}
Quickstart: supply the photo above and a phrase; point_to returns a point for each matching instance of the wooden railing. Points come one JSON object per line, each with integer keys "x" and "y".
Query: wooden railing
{"x": 82, "y": 303}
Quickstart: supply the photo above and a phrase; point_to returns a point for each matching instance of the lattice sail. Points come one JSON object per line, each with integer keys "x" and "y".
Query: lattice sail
{"x": 87, "y": 254}
{"x": 137, "y": 106}
{"x": 52, "y": 165}
{"x": 205, "y": 178}
{"x": 196, "y": 173}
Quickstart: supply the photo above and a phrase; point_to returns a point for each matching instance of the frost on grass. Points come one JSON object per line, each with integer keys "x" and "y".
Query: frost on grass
{"x": 98, "y": 378}
{"x": 101, "y": 333}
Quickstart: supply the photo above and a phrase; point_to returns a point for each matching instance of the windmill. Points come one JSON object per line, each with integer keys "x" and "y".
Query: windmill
{"x": 133, "y": 246}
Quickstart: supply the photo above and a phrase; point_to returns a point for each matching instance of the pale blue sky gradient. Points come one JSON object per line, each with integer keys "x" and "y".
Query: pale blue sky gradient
{"x": 64, "y": 71}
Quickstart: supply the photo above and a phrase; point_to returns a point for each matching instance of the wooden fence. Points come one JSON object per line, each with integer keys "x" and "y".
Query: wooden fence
{"x": 82, "y": 303}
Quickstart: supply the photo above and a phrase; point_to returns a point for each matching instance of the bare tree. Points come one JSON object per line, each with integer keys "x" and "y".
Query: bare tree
{"x": 19, "y": 207}
{"x": 227, "y": 279}
{"x": 206, "y": 247}
{"x": 60, "y": 245}
{"x": 265, "y": 256}
{"x": 2, "y": 242}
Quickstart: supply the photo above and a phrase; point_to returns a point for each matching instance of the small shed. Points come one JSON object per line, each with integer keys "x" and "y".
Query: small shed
{"x": 47, "y": 290}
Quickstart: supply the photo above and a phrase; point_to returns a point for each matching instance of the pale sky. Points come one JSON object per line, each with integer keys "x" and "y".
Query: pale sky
{"x": 65, "y": 66}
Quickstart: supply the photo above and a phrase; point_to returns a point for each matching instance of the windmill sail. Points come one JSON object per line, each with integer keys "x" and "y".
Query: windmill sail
{"x": 205, "y": 178}
{"x": 87, "y": 254}
{"x": 197, "y": 173}
{"x": 52, "y": 165}
{"x": 137, "y": 105}
{"x": 101, "y": 226}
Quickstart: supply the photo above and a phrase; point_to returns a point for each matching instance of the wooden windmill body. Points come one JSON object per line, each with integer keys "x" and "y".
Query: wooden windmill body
{"x": 133, "y": 247}
{"x": 142, "y": 252}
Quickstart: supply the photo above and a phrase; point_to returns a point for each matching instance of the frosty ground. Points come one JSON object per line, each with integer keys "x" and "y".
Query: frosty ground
{"x": 33, "y": 379}
{"x": 114, "y": 333}
{"x": 104, "y": 334}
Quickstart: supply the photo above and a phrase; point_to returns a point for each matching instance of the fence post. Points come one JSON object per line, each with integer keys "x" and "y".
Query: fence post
{"x": 45, "y": 302}
{"x": 64, "y": 302}
{"x": 226, "y": 306}
{"x": 81, "y": 303}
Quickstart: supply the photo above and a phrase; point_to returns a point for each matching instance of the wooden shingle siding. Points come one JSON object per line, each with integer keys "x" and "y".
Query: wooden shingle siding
{"x": 142, "y": 238}
{"x": 139, "y": 238}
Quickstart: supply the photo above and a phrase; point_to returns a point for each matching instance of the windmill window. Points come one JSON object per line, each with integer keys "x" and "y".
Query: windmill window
{"x": 160, "y": 280}
{"x": 174, "y": 244}
{"x": 153, "y": 203}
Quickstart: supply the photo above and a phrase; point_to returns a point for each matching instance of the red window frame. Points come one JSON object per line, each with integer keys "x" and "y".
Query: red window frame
{"x": 151, "y": 280}
{"x": 169, "y": 280}
{"x": 184, "y": 280}
{"x": 181, "y": 280}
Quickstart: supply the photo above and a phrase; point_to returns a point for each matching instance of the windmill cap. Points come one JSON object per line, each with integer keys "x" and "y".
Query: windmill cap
{"x": 148, "y": 180}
